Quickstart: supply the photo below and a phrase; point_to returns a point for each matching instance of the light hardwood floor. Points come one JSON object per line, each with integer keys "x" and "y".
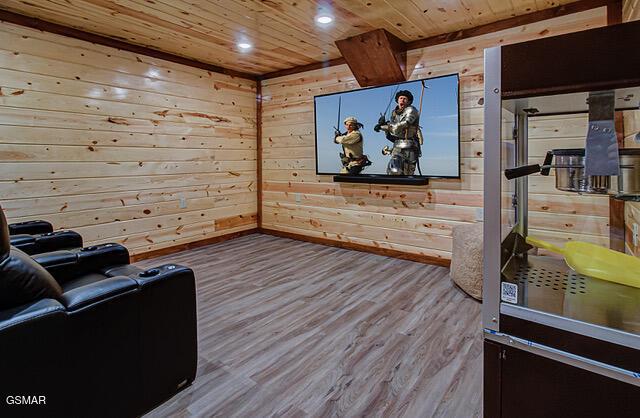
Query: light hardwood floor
{"x": 294, "y": 329}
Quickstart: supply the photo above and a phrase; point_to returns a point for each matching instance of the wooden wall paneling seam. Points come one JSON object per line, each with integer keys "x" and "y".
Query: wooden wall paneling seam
{"x": 176, "y": 225}
{"x": 168, "y": 237}
{"x": 32, "y": 207}
{"x": 29, "y": 63}
{"x": 191, "y": 245}
{"x": 359, "y": 247}
{"x": 438, "y": 254}
{"x": 20, "y": 171}
{"x": 65, "y": 187}
{"x": 158, "y": 238}
{"x": 41, "y": 118}
{"x": 69, "y": 136}
{"x": 123, "y": 108}
{"x": 39, "y": 24}
{"x": 143, "y": 213}
{"x": 378, "y": 233}
{"x": 54, "y": 153}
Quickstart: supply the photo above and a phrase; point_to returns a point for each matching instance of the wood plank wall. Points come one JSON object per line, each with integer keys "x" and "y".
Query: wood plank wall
{"x": 416, "y": 220}
{"x": 630, "y": 10}
{"x": 554, "y": 215}
{"x": 107, "y": 142}
{"x": 631, "y": 209}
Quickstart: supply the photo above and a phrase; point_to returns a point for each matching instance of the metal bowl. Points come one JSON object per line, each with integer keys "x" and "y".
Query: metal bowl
{"x": 628, "y": 182}
{"x": 570, "y": 175}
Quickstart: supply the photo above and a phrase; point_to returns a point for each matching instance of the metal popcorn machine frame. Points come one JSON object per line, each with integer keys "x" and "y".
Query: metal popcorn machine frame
{"x": 542, "y": 319}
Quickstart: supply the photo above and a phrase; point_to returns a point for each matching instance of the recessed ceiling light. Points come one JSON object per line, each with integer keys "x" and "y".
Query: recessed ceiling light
{"x": 244, "y": 45}
{"x": 324, "y": 19}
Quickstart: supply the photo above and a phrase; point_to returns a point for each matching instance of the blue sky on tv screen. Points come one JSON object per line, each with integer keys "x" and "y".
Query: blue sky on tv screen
{"x": 438, "y": 119}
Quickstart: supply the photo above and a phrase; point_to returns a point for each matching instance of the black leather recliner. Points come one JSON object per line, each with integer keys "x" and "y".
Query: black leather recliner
{"x": 93, "y": 334}
{"x": 30, "y": 227}
{"x": 35, "y": 237}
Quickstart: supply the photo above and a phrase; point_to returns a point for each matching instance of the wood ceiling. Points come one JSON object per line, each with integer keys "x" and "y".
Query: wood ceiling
{"x": 283, "y": 33}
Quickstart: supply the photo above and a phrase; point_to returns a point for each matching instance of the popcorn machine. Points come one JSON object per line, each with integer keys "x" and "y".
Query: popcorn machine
{"x": 561, "y": 306}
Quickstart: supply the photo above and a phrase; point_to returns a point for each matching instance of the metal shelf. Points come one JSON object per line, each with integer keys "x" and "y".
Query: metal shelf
{"x": 550, "y": 293}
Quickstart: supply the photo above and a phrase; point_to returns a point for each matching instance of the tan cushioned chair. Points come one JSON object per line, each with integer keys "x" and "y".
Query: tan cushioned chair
{"x": 466, "y": 259}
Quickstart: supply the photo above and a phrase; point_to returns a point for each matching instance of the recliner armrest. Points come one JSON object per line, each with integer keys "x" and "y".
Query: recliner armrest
{"x": 97, "y": 292}
{"x": 151, "y": 275}
{"x": 58, "y": 240}
{"x": 67, "y": 264}
{"x": 50, "y": 241}
{"x": 30, "y": 227}
{"x": 32, "y": 311}
{"x": 163, "y": 272}
{"x": 23, "y": 242}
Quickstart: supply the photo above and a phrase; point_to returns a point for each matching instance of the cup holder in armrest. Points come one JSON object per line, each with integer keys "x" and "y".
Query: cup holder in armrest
{"x": 149, "y": 273}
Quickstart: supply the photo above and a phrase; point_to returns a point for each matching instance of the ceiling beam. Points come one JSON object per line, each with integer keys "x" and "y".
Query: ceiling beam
{"x": 526, "y": 19}
{"x": 376, "y": 57}
{"x": 32, "y": 22}
{"x": 512, "y": 22}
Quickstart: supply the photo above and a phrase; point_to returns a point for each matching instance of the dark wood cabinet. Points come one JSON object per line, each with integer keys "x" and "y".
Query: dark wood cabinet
{"x": 520, "y": 384}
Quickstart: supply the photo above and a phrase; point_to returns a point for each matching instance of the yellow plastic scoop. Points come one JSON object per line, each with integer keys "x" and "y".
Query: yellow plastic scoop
{"x": 596, "y": 261}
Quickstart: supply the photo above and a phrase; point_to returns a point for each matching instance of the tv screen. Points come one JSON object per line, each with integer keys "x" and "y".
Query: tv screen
{"x": 408, "y": 129}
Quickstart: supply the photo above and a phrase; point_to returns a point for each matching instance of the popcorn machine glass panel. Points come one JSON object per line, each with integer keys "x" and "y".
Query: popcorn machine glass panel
{"x": 565, "y": 159}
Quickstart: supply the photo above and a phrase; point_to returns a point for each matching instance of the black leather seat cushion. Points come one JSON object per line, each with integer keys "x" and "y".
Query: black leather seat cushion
{"x": 22, "y": 280}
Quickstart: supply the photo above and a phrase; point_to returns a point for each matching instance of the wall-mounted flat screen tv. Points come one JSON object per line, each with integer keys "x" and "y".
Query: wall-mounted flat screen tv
{"x": 409, "y": 129}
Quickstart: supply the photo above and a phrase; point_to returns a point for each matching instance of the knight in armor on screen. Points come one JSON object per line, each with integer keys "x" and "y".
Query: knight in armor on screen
{"x": 352, "y": 158}
{"x": 404, "y": 131}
